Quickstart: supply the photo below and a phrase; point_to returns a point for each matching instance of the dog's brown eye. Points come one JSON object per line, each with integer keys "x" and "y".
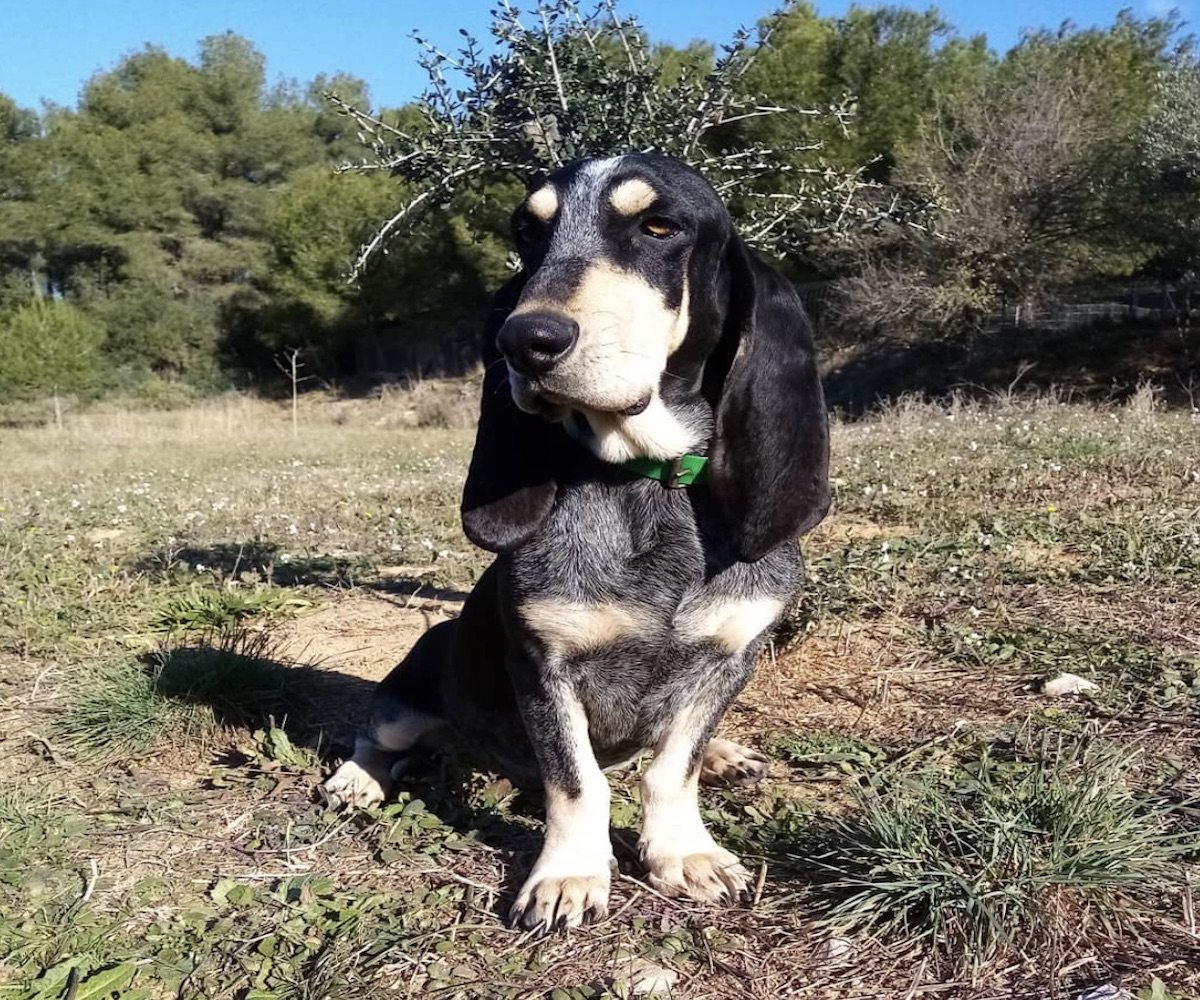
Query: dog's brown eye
{"x": 660, "y": 229}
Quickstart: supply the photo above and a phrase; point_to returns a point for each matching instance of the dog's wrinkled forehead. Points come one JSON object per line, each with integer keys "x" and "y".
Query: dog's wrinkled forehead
{"x": 587, "y": 206}
{"x": 577, "y": 202}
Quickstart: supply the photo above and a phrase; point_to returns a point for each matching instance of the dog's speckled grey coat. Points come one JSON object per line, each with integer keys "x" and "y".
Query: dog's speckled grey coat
{"x": 619, "y": 615}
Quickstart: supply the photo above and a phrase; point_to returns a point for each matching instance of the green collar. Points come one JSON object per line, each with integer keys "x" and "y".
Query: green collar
{"x": 673, "y": 473}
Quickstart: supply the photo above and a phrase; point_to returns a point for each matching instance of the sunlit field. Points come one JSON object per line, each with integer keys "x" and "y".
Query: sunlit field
{"x": 196, "y": 601}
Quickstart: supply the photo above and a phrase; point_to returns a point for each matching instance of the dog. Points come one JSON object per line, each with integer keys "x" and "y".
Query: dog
{"x": 652, "y": 442}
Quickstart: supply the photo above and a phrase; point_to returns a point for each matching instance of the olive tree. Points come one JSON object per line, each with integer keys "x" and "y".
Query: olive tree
{"x": 568, "y": 85}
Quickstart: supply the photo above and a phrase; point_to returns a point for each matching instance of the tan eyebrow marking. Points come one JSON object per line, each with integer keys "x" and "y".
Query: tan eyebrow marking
{"x": 543, "y": 203}
{"x": 632, "y": 196}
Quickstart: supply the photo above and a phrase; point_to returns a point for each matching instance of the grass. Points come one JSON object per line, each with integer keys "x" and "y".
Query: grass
{"x": 1001, "y": 854}
{"x": 116, "y": 713}
{"x": 193, "y": 692}
{"x": 197, "y": 603}
{"x": 205, "y": 609}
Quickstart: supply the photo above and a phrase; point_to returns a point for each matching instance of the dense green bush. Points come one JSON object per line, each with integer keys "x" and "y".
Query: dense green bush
{"x": 190, "y": 220}
{"x": 49, "y": 347}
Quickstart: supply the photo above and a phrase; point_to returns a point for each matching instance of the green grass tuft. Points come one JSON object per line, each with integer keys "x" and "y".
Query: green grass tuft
{"x": 234, "y": 673}
{"x": 206, "y": 609}
{"x": 817, "y": 747}
{"x": 116, "y": 711}
{"x": 1047, "y": 856}
{"x": 224, "y": 678}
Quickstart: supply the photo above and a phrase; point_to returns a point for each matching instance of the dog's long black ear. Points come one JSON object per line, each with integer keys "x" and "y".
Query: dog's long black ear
{"x": 769, "y": 467}
{"x": 510, "y": 485}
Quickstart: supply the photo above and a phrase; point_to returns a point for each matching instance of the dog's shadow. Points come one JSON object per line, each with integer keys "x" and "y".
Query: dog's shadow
{"x": 263, "y": 561}
{"x": 232, "y": 675}
{"x": 317, "y": 710}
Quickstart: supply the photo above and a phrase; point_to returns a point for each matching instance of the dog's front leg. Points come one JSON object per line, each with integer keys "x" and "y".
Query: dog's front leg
{"x": 570, "y": 881}
{"x": 679, "y": 854}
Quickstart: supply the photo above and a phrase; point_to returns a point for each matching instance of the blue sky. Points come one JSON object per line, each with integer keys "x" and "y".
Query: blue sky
{"x": 49, "y": 50}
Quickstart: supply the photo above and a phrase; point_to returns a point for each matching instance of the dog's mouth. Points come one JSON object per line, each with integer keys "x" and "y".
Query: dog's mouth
{"x": 533, "y": 397}
{"x": 556, "y": 403}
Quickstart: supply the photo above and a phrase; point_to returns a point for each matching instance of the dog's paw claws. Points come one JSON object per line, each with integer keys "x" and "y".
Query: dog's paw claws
{"x": 715, "y": 876}
{"x": 729, "y": 765}
{"x": 553, "y": 903}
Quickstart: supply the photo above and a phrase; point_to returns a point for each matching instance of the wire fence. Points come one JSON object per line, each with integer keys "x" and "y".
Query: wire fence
{"x": 1148, "y": 304}
{"x": 1133, "y": 304}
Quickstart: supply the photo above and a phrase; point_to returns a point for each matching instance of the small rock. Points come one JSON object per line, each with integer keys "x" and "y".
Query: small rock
{"x": 834, "y": 949}
{"x": 1068, "y": 684}
{"x": 1105, "y": 991}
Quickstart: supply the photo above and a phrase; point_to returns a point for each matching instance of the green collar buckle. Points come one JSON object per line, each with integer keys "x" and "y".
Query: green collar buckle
{"x": 673, "y": 473}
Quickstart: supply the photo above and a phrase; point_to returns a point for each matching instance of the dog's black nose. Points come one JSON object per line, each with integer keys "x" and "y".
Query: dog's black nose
{"x": 535, "y": 342}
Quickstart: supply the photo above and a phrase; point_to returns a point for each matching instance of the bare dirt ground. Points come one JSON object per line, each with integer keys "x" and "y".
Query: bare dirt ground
{"x": 362, "y": 635}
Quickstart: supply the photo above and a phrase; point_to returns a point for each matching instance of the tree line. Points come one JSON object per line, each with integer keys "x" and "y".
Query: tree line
{"x": 185, "y": 225}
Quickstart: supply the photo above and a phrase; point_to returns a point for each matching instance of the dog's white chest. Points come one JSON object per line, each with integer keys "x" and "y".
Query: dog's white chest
{"x": 731, "y": 623}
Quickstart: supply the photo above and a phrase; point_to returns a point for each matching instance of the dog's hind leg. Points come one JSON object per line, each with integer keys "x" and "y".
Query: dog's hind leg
{"x": 730, "y": 765}
{"x": 405, "y": 709}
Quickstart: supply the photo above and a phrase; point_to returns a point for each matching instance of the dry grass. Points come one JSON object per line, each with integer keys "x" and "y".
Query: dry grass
{"x": 975, "y": 550}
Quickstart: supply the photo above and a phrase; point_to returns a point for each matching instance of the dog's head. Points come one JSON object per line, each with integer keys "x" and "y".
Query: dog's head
{"x": 616, "y": 251}
{"x": 640, "y": 312}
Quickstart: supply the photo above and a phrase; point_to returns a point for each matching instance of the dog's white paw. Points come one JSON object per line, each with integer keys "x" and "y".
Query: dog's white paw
{"x": 711, "y": 876}
{"x": 727, "y": 765}
{"x": 557, "y": 896}
{"x": 354, "y": 785}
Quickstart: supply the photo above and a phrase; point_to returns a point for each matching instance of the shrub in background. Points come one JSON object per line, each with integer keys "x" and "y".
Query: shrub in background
{"x": 49, "y": 347}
